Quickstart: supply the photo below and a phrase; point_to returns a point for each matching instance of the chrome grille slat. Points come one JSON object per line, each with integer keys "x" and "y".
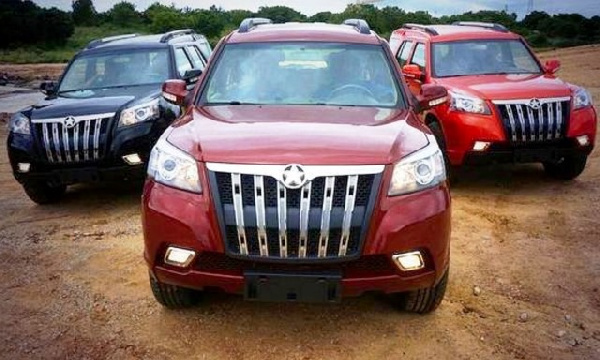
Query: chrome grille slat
{"x": 46, "y": 138}
{"x": 65, "y": 140}
{"x": 236, "y": 190}
{"x": 259, "y": 204}
{"x": 86, "y": 141}
{"x": 326, "y": 215}
{"x": 550, "y": 110}
{"x": 522, "y": 121}
{"x": 558, "y": 118}
{"x": 348, "y": 210}
{"x": 56, "y": 139}
{"x": 282, "y": 219}
{"x": 531, "y": 119}
{"x": 76, "y": 142}
{"x": 512, "y": 123}
{"x": 541, "y": 127}
{"x": 98, "y": 124}
{"x": 304, "y": 212}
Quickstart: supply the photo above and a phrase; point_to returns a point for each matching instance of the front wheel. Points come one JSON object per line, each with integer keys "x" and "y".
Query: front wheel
{"x": 423, "y": 301}
{"x": 42, "y": 193}
{"x": 172, "y": 296}
{"x": 567, "y": 168}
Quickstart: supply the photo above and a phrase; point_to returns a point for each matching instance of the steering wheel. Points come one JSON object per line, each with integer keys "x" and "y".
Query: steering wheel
{"x": 351, "y": 88}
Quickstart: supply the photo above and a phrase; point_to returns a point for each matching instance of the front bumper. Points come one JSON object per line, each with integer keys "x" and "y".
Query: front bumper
{"x": 418, "y": 221}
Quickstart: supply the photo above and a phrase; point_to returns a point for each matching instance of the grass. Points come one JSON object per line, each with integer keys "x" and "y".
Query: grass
{"x": 58, "y": 54}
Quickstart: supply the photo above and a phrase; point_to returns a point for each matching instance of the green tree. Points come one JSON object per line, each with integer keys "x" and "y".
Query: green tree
{"x": 280, "y": 14}
{"x": 124, "y": 14}
{"x": 84, "y": 12}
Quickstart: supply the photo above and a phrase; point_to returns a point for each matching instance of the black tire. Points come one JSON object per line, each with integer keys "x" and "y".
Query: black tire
{"x": 426, "y": 300}
{"x": 43, "y": 193}
{"x": 568, "y": 168}
{"x": 436, "y": 129}
{"x": 173, "y": 297}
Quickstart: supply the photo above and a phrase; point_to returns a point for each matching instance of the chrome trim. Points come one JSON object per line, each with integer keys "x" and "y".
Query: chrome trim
{"x": 526, "y": 101}
{"x": 98, "y": 125}
{"x": 282, "y": 219}
{"x": 522, "y": 121}
{"x": 47, "y": 143}
{"x": 259, "y": 205}
{"x": 311, "y": 171}
{"x": 65, "y": 139}
{"x": 236, "y": 190}
{"x": 304, "y": 210}
{"x": 550, "y": 110}
{"x": 76, "y": 142}
{"x": 558, "y": 118}
{"x": 512, "y": 123}
{"x": 86, "y": 140}
{"x": 541, "y": 121}
{"x": 56, "y": 139}
{"x": 77, "y": 118}
{"x": 326, "y": 215}
{"x": 531, "y": 119}
{"x": 348, "y": 210}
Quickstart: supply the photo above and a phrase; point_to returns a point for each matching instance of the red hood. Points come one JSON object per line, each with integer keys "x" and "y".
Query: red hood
{"x": 508, "y": 87}
{"x": 309, "y": 135}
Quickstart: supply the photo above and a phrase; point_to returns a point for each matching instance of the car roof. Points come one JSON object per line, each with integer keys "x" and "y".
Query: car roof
{"x": 317, "y": 32}
{"x": 456, "y": 33}
{"x": 145, "y": 41}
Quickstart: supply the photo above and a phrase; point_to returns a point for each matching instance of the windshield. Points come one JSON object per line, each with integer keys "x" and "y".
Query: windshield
{"x": 302, "y": 74}
{"x": 118, "y": 69}
{"x": 483, "y": 57}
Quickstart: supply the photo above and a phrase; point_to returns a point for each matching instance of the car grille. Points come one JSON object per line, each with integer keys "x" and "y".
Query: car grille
{"x": 326, "y": 218}
{"x": 73, "y": 139}
{"x": 534, "y": 120}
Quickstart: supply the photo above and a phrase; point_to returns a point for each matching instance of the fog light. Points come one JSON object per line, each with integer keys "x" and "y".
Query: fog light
{"x": 132, "y": 159}
{"x": 179, "y": 257}
{"x": 409, "y": 261}
{"x": 23, "y": 167}
{"x": 583, "y": 140}
{"x": 481, "y": 145}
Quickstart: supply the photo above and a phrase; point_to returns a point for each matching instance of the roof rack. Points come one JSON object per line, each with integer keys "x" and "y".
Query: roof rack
{"x": 175, "y": 33}
{"x": 94, "y": 43}
{"x": 485, "y": 25}
{"x": 359, "y": 24}
{"x": 249, "y": 23}
{"x": 428, "y": 29}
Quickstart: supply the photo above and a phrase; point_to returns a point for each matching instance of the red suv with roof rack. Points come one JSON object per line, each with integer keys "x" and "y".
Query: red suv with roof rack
{"x": 505, "y": 106}
{"x": 299, "y": 171}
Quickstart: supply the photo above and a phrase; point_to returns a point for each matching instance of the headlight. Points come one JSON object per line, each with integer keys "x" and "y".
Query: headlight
{"x": 173, "y": 167}
{"x": 466, "y": 103}
{"x": 582, "y": 98}
{"x": 19, "y": 124}
{"x": 139, "y": 113}
{"x": 420, "y": 170}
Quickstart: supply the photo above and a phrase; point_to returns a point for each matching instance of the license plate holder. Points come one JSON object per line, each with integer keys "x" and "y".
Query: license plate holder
{"x": 286, "y": 287}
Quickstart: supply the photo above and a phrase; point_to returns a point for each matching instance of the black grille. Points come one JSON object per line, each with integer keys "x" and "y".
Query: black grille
{"x": 527, "y": 124}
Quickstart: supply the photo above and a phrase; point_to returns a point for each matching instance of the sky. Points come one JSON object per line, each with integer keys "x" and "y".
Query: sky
{"x": 309, "y": 7}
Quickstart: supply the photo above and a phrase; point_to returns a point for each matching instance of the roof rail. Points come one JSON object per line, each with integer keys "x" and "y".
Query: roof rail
{"x": 249, "y": 23}
{"x": 486, "y": 25}
{"x": 92, "y": 44}
{"x": 359, "y": 24}
{"x": 428, "y": 29}
{"x": 175, "y": 33}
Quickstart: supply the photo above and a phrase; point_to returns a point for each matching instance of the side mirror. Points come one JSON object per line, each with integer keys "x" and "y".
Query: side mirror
{"x": 48, "y": 87}
{"x": 552, "y": 67}
{"x": 192, "y": 75}
{"x": 175, "y": 91}
{"x": 432, "y": 95}
{"x": 412, "y": 71}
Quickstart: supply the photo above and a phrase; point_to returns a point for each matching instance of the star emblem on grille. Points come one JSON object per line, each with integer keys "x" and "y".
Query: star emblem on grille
{"x": 69, "y": 122}
{"x": 293, "y": 176}
{"x": 535, "y": 104}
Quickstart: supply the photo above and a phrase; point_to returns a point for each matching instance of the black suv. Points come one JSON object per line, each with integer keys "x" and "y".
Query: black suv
{"x": 100, "y": 121}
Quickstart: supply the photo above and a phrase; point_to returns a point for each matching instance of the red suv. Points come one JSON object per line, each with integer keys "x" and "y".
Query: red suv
{"x": 299, "y": 171}
{"x": 505, "y": 106}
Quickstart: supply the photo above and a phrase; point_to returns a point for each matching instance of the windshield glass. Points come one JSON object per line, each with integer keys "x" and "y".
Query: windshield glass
{"x": 302, "y": 74}
{"x": 483, "y": 57}
{"x": 118, "y": 69}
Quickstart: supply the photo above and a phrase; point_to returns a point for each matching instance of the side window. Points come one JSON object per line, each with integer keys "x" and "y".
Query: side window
{"x": 182, "y": 61}
{"x": 404, "y": 52}
{"x": 419, "y": 57}
{"x": 205, "y": 50}
{"x": 195, "y": 56}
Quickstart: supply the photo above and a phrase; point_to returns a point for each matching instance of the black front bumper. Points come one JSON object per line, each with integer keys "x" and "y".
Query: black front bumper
{"x": 526, "y": 153}
{"x": 69, "y": 176}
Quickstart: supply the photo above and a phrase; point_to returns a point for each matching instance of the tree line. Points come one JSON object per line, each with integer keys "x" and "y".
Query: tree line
{"x": 22, "y": 22}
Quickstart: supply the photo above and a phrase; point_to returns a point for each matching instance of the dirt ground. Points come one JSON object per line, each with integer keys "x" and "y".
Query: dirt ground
{"x": 73, "y": 283}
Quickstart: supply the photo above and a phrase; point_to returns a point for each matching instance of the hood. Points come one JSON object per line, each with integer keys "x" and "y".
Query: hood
{"x": 308, "y": 135}
{"x": 92, "y": 102}
{"x": 508, "y": 87}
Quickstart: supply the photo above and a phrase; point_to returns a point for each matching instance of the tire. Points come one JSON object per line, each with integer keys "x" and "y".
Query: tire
{"x": 436, "y": 129}
{"x": 426, "y": 300}
{"x": 43, "y": 193}
{"x": 173, "y": 297}
{"x": 568, "y": 168}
